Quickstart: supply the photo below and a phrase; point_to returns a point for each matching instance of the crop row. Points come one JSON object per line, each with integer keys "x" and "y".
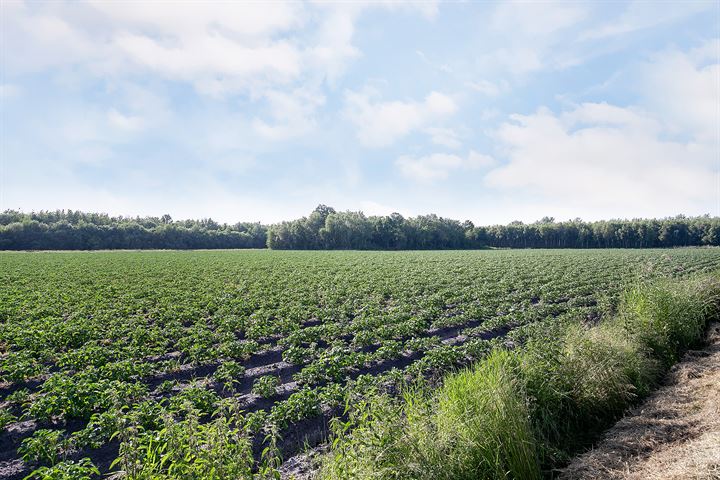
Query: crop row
{"x": 90, "y": 338}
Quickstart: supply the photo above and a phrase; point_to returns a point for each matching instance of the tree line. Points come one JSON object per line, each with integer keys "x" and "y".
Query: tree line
{"x": 326, "y": 228}
{"x": 74, "y": 230}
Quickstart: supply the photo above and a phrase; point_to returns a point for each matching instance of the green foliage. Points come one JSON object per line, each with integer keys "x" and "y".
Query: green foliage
{"x": 167, "y": 386}
{"x": 116, "y": 342}
{"x": 44, "y": 446}
{"x": 298, "y": 355}
{"x": 579, "y": 381}
{"x": 476, "y": 426}
{"x": 266, "y": 386}
{"x": 483, "y": 425}
{"x": 372, "y": 442}
{"x": 6, "y": 417}
{"x": 302, "y": 404}
{"x": 255, "y": 421}
{"x": 20, "y": 366}
{"x": 229, "y": 374}
{"x": 19, "y": 397}
{"x": 66, "y": 470}
{"x": 74, "y": 230}
{"x": 65, "y": 396}
{"x": 517, "y": 411}
{"x": 100, "y": 428}
{"x": 331, "y": 364}
{"x": 668, "y": 317}
{"x": 186, "y": 450}
{"x": 195, "y": 397}
{"x": 326, "y": 228}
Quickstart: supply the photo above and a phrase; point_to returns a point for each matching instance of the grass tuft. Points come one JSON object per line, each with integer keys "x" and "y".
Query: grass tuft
{"x": 483, "y": 422}
{"x": 477, "y": 425}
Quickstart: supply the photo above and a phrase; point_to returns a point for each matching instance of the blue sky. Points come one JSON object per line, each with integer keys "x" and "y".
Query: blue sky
{"x": 260, "y": 111}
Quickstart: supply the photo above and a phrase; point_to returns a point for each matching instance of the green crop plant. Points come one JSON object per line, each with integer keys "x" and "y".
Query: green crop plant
{"x": 86, "y": 338}
{"x": 44, "y": 446}
{"x": 83, "y": 469}
{"x": 229, "y": 374}
{"x": 6, "y": 417}
{"x": 266, "y": 386}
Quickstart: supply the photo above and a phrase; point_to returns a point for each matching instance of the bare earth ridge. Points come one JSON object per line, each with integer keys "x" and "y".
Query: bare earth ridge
{"x": 674, "y": 434}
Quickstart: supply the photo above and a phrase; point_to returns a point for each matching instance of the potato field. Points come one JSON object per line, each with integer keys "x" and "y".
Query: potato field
{"x": 145, "y": 362}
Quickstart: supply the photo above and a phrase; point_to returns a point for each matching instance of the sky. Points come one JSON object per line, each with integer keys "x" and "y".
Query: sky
{"x": 259, "y": 111}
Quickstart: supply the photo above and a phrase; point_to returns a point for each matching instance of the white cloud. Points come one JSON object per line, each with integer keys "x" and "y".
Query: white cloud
{"x": 124, "y": 122}
{"x": 444, "y": 137}
{"x": 477, "y": 160}
{"x": 293, "y": 114}
{"x": 488, "y": 114}
{"x": 528, "y": 37}
{"x": 218, "y": 47}
{"x": 333, "y": 47}
{"x": 641, "y": 15}
{"x": 439, "y": 104}
{"x": 443, "y": 67}
{"x": 210, "y": 56}
{"x": 536, "y": 18}
{"x": 110, "y": 80}
{"x": 204, "y": 198}
{"x": 137, "y": 109}
{"x": 381, "y": 123}
{"x": 35, "y": 41}
{"x": 611, "y": 161}
{"x": 684, "y": 88}
{"x": 184, "y": 19}
{"x": 487, "y": 88}
{"x": 438, "y": 166}
{"x": 371, "y": 208}
{"x": 518, "y": 59}
{"x": 427, "y": 8}
{"x": 599, "y": 157}
{"x": 432, "y": 167}
{"x": 631, "y": 119}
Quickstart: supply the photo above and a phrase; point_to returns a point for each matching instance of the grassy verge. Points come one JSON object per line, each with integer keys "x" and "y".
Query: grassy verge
{"x": 520, "y": 413}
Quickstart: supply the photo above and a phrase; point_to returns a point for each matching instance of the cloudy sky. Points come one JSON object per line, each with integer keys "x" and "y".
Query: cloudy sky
{"x": 260, "y": 111}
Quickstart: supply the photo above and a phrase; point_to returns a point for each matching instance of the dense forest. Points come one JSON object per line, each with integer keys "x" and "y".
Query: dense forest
{"x": 326, "y": 228}
{"x": 73, "y": 230}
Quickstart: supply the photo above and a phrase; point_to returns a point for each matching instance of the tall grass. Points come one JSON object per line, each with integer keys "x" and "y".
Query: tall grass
{"x": 516, "y": 414}
{"x": 460, "y": 432}
{"x": 580, "y": 382}
{"x": 667, "y": 317}
{"x": 483, "y": 422}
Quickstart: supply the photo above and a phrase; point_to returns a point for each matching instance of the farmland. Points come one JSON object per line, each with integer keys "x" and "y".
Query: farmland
{"x": 107, "y": 354}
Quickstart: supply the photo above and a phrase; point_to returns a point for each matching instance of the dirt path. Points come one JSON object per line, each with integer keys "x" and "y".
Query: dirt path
{"x": 674, "y": 434}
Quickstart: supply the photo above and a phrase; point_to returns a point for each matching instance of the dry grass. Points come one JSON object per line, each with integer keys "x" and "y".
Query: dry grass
{"x": 674, "y": 434}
